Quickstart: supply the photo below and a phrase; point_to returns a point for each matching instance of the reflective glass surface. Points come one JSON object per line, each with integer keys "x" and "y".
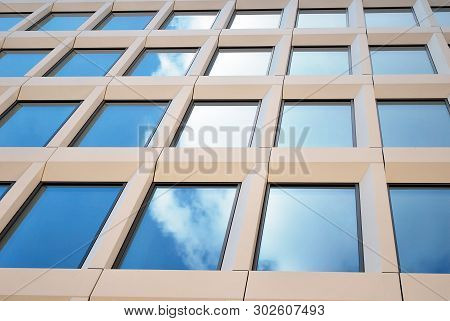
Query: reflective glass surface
{"x": 16, "y": 63}
{"x": 322, "y": 18}
{"x": 442, "y": 15}
{"x": 390, "y": 18}
{"x": 422, "y": 224}
{"x": 310, "y": 229}
{"x": 126, "y": 21}
{"x": 219, "y": 125}
{"x": 414, "y": 123}
{"x": 256, "y": 20}
{"x": 319, "y": 61}
{"x": 122, "y": 125}
{"x": 241, "y": 62}
{"x": 86, "y": 62}
{"x": 62, "y": 21}
{"x": 190, "y": 20}
{"x": 316, "y": 124}
{"x": 58, "y": 227}
{"x": 9, "y": 20}
{"x": 401, "y": 60}
{"x": 3, "y": 189}
{"x": 33, "y": 124}
{"x": 163, "y": 62}
{"x": 182, "y": 228}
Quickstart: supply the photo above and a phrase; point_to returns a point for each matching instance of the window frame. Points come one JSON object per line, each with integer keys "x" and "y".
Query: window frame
{"x": 189, "y": 13}
{"x": 218, "y": 102}
{"x": 146, "y": 202}
{"x": 255, "y": 12}
{"x": 31, "y": 201}
{"x": 38, "y": 24}
{"x": 141, "y": 55}
{"x": 442, "y": 100}
{"x": 318, "y": 102}
{"x": 93, "y": 117}
{"x": 318, "y": 10}
{"x": 19, "y": 102}
{"x": 384, "y": 9}
{"x": 103, "y": 22}
{"x": 359, "y": 231}
{"x": 240, "y": 49}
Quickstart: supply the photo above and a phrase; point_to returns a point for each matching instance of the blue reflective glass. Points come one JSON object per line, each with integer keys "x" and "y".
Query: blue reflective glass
{"x": 126, "y": 21}
{"x": 310, "y": 229}
{"x": 86, "y": 62}
{"x": 16, "y": 63}
{"x": 442, "y": 15}
{"x": 122, "y": 125}
{"x": 163, "y": 62}
{"x": 33, "y": 124}
{"x": 401, "y": 60}
{"x": 422, "y": 223}
{"x": 254, "y": 19}
{"x": 62, "y": 21}
{"x": 322, "y": 18}
{"x": 9, "y": 20}
{"x": 316, "y": 124}
{"x": 319, "y": 61}
{"x": 182, "y": 228}
{"x": 414, "y": 123}
{"x": 190, "y": 20}
{"x": 3, "y": 189}
{"x": 392, "y": 17}
{"x": 58, "y": 227}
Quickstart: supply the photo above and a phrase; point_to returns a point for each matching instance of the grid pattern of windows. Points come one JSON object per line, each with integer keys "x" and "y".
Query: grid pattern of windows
{"x": 283, "y": 144}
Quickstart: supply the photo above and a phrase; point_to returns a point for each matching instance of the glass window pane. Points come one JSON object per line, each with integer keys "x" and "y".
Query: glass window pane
{"x": 241, "y": 62}
{"x": 86, "y": 62}
{"x": 322, "y": 18}
{"x": 319, "y": 61}
{"x": 163, "y": 62}
{"x": 58, "y": 227}
{"x": 319, "y": 124}
{"x": 62, "y": 21}
{"x": 256, "y": 20}
{"x": 16, "y": 63}
{"x": 381, "y": 18}
{"x": 190, "y": 20}
{"x": 442, "y": 15}
{"x": 414, "y": 123}
{"x": 310, "y": 229}
{"x": 126, "y": 21}
{"x": 219, "y": 125}
{"x": 122, "y": 125}
{"x": 9, "y": 20}
{"x": 182, "y": 228}
{"x": 422, "y": 222}
{"x": 33, "y": 124}
{"x": 401, "y": 60}
{"x": 3, "y": 189}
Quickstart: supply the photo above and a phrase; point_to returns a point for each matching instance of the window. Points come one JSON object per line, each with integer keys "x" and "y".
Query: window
{"x": 9, "y": 20}
{"x": 313, "y": 229}
{"x": 86, "y": 62}
{"x": 122, "y": 124}
{"x": 213, "y": 124}
{"x": 316, "y": 124}
{"x": 241, "y": 62}
{"x": 126, "y": 21}
{"x": 258, "y": 19}
{"x": 187, "y": 20}
{"x": 320, "y": 61}
{"x": 442, "y": 15}
{"x": 322, "y": 18}
{"x": 58, "y": 227}
{"x": 33, "y": 124}
{"x": 3, "y": 189}
{"x": 390, "y": 17}
{"x": 401, "y": 60}
{"x": 414, "y": 123}
{"x": 62, "y": 21}
{"x": 421, "y": 223}
{"x": 16, "y": 63}
{"x": 180, "y": 228}
{"x": 163, "y": 62}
